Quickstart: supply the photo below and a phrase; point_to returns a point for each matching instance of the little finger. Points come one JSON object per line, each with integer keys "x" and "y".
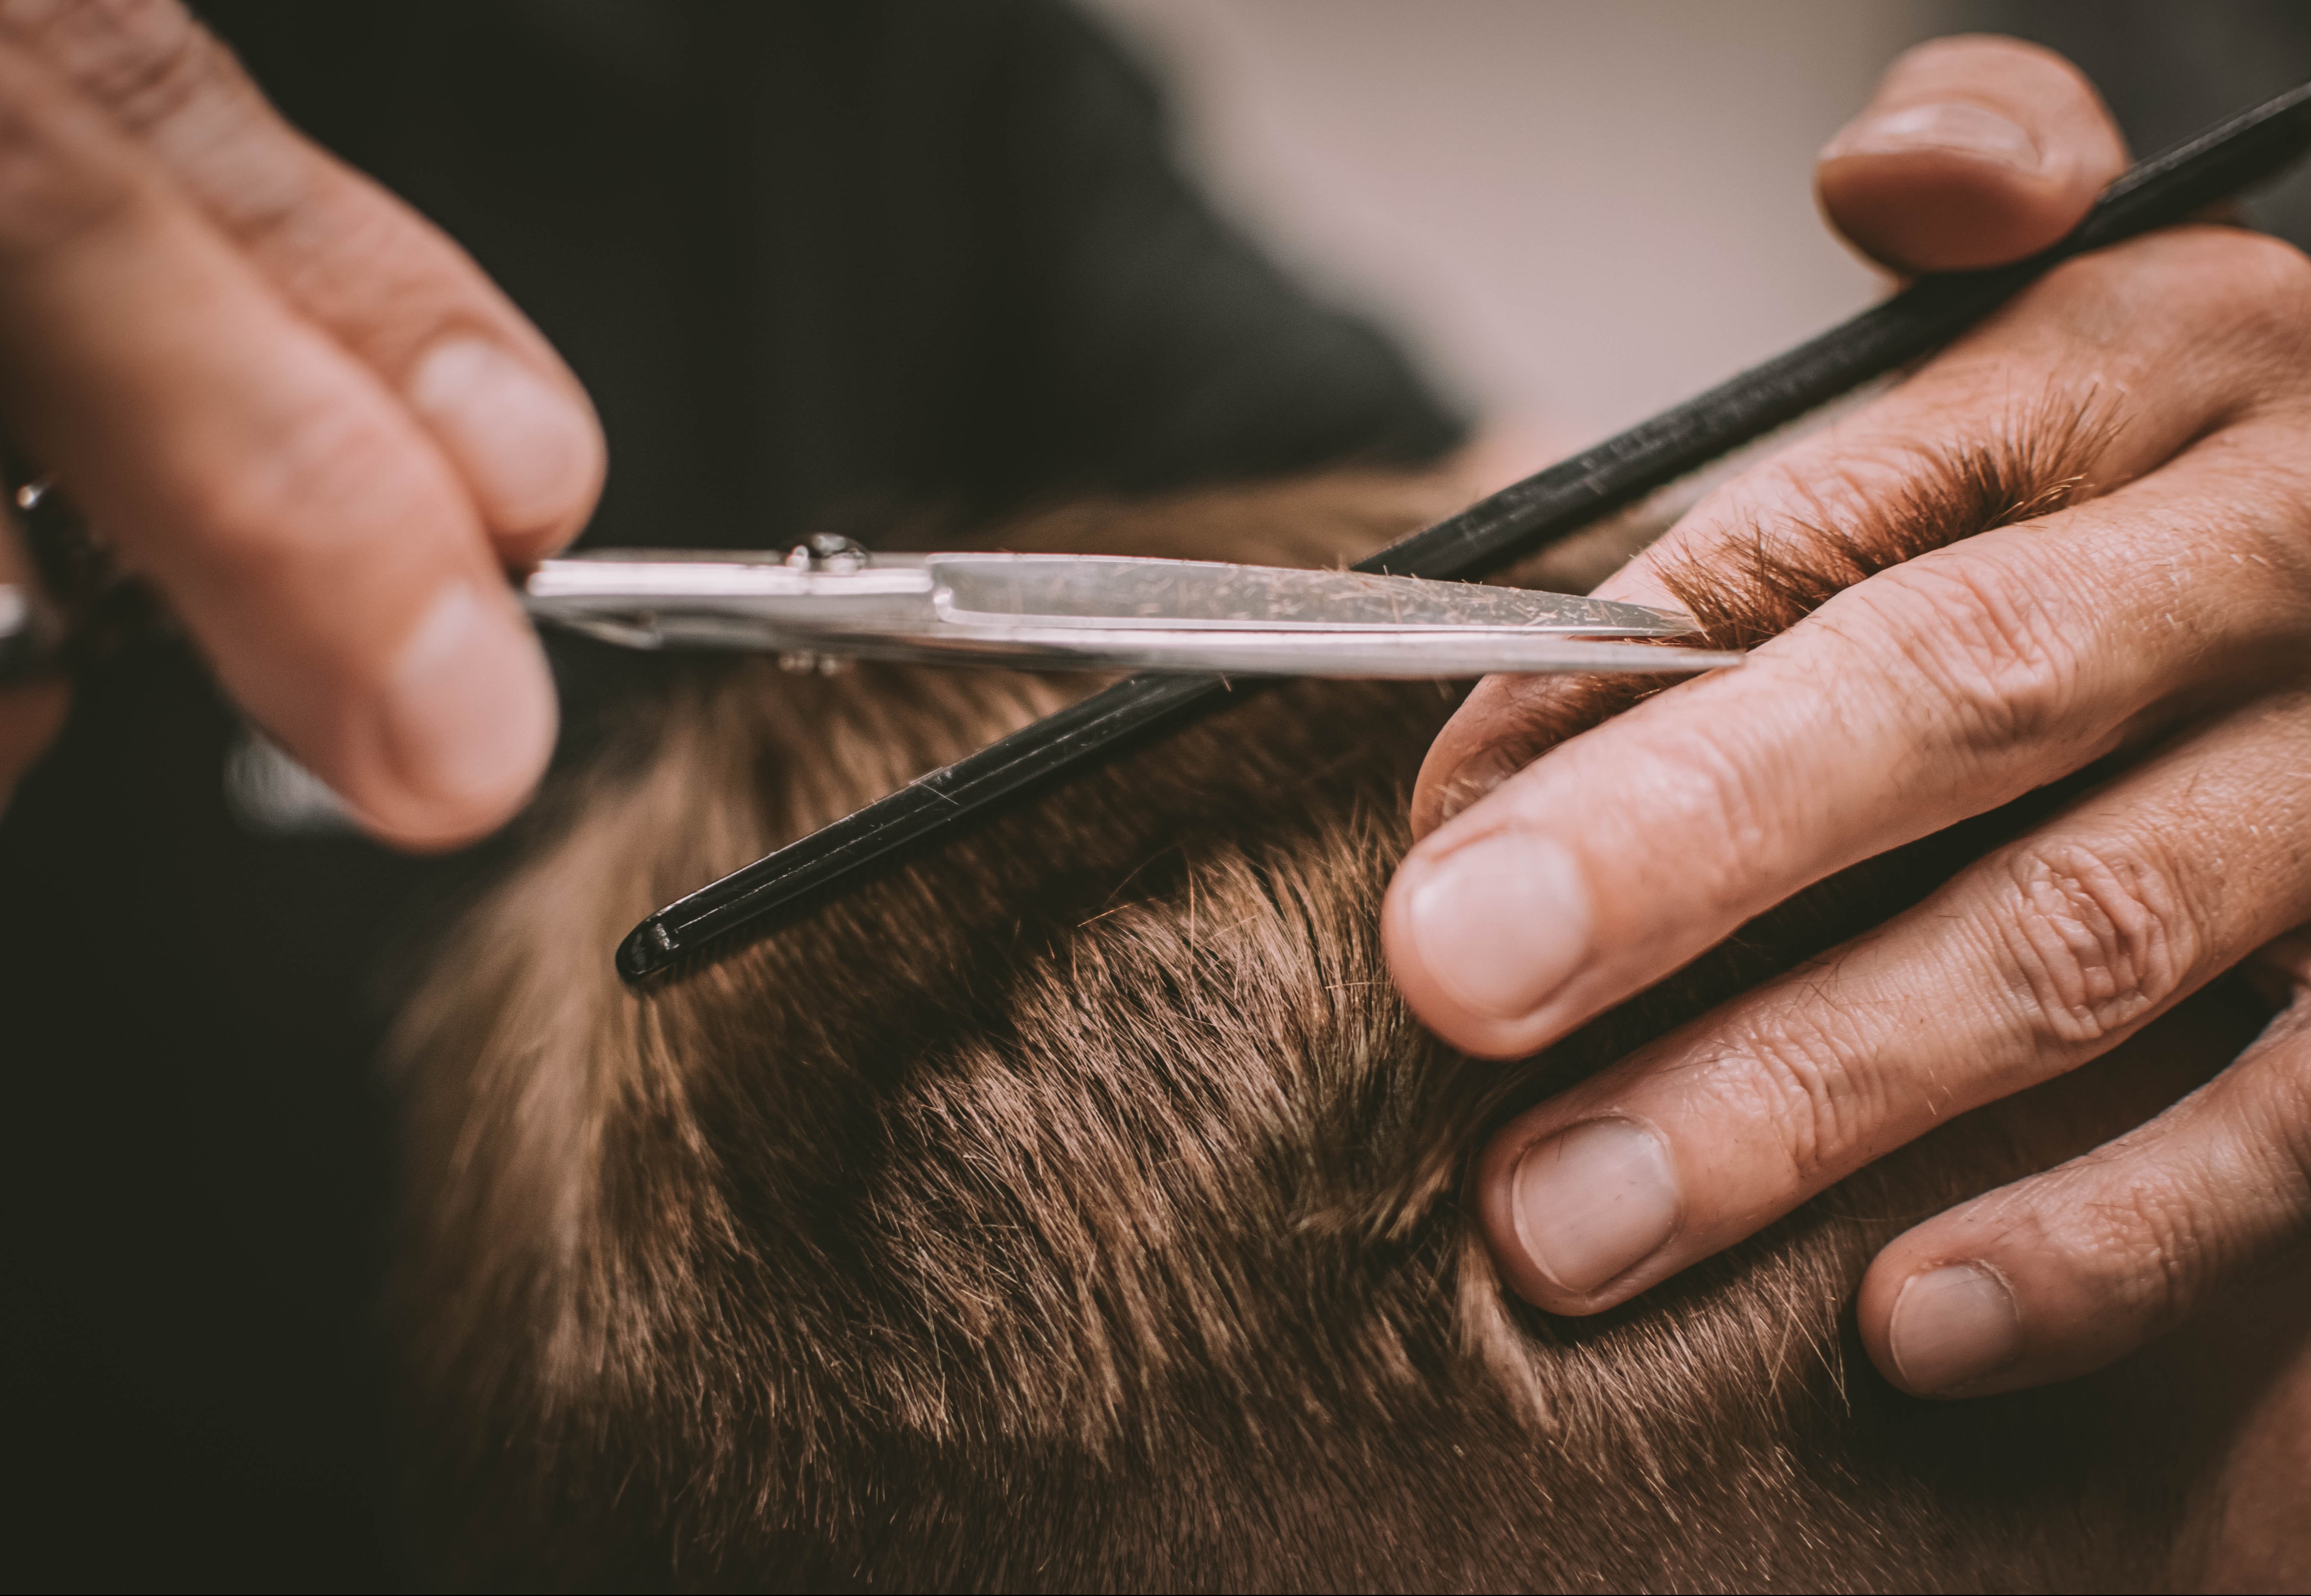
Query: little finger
{"x": 2064, "y": 1272}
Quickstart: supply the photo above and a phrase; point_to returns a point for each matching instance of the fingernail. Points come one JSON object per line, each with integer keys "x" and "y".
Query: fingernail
{"x": 1953, "y": 1326}
{"x": 1595, "y": 1201}
{"x": 1956, "y": 125}
{"x": 469, "y": 709}
{"x": 523, "y": 442}
{"x": 1501, "y": 922}
{"x": 1474, "y": 778}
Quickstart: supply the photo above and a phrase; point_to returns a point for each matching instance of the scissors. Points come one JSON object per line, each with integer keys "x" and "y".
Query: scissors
{"x": 829, "y": 599}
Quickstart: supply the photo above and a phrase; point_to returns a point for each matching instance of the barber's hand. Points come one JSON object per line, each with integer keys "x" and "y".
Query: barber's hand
{"x": 290, "y": 402}
{"x": 2163, "y": 622}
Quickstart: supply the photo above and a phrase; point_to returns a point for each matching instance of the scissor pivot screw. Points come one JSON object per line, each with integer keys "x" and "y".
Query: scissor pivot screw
{"x": 828, "y": 552}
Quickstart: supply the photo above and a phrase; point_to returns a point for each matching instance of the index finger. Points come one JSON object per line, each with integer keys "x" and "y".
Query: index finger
{"x": 312, "y": 537}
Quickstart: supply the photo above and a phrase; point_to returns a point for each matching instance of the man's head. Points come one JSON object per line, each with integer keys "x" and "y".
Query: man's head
{"x": 1079, "y": 1206}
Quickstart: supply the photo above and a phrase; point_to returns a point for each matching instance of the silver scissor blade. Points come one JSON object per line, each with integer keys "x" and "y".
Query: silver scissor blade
{"x": 696, "y": 597}
{"x": 1406, "y": 653}
{"x": 1095, "y": 612}
{"x": 1402, "y": 653}
{"x": 1108, "y": 591}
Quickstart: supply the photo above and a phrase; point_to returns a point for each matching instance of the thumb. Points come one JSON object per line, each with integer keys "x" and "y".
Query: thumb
{"x": 1977, "y": 151}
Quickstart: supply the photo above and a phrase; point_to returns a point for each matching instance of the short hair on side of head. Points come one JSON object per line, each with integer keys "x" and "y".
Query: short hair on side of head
{"x": 1079, "y": 1207}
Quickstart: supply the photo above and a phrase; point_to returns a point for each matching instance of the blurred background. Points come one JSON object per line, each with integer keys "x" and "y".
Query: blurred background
{"x": 1577, "y": 214}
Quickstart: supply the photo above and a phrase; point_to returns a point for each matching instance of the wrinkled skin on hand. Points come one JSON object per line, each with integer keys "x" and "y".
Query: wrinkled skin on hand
{"x": 288, "y": 401}
{"x": 2150, "y": 617}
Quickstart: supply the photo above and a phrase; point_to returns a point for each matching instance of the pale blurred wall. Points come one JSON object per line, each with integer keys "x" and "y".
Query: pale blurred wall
{"x": 1570, "y": 209}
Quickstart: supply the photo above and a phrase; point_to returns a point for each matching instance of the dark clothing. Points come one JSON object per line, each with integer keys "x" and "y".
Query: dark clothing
{"x": 841, "y": 264}
{"x": 824, "y": 261}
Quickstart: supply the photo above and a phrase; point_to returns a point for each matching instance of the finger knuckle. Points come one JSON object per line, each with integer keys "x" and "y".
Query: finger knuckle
{"x": 58, "y": 181}
{"x": 2272, "y": 278}
{"x": 162, "y": 76}
{"x": 2270, "y": 1092}
{"x": 2245, "y": 294}
{"x": 347, "y": 261}
{"x": 2256, "y": 291}
{"x": 1989, "y": 645}
{"x": 2251, "y": 290}
{"x": 2146, "y": 1244}
{"x": 2287, "y": 1135}
{"x": 1806, "y": 1077}
{"x": 142, "y": 59}
{"x": 2096, "y": 935}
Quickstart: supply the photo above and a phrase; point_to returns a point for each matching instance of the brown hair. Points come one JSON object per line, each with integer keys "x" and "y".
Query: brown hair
{"x": 1079, "y": 1207}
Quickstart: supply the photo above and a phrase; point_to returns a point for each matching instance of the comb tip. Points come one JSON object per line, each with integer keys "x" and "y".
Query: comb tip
{"x": 648, "y": 949}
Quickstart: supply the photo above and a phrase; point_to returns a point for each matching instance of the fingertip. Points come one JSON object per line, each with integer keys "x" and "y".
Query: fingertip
{"x": 466, "y": 724}
{"x": 1497, "y": 1181}
{"x": 1407, "y": 959}
{"x": 1972, "y": 1304}
{"x": 1481, "y": 933}
{"x": 528, "y": 443}
{"x": 1591, "y": 1206}
{"x": 1977, "y": 150}
{"x": 1952, "y": 1330}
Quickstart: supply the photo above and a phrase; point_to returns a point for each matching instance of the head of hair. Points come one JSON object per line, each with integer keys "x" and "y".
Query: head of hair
{"x": 1078, "y": 1205}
